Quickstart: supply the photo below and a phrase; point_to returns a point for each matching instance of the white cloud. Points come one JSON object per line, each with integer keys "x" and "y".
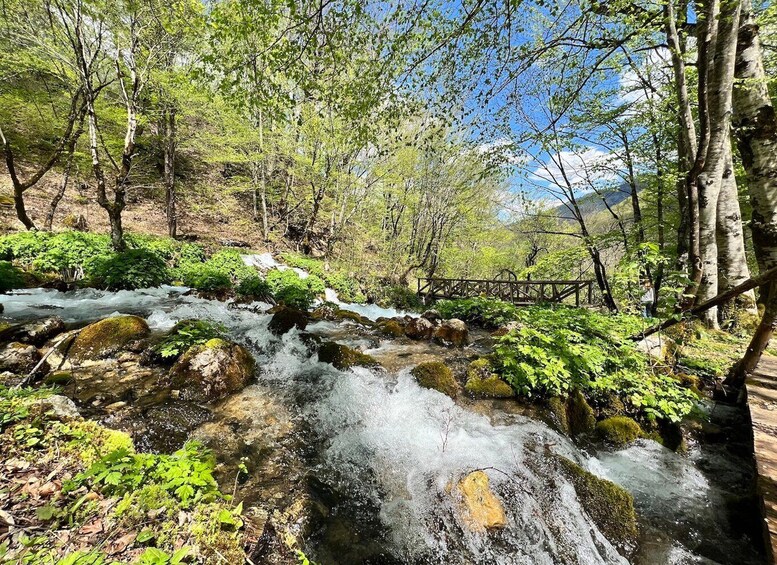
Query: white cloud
{"x": 581, "y": 168}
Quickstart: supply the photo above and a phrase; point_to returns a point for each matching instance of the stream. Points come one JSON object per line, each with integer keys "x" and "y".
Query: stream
{"x": 376, "y": 454}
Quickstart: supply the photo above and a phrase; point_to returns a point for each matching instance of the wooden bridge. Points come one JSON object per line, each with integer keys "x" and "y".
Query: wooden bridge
{"x": 521, "y": 293}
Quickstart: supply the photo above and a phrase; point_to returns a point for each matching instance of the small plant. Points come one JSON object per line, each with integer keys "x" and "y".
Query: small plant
{"x": 291, "y": 289}
{"x": 186, "y": 334}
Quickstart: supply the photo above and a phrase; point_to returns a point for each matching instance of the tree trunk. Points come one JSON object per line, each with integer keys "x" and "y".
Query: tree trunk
{"x": 49, "y": 222}
{"x": 755, "y": 127}
{"x": 732, "y": 260}
{"x": 719, "y": 84}
{"x": 169, "y": 124}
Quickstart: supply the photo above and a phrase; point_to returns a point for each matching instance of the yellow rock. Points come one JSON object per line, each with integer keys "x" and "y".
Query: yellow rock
{"x": 482, "y": 510}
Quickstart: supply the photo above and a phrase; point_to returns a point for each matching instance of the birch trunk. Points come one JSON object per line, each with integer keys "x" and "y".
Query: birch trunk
{"x": 732, "y": 261}
{"x": 755, "y": 127}
{"x": 720, "y": 79}
{"x": 171, "y": 198}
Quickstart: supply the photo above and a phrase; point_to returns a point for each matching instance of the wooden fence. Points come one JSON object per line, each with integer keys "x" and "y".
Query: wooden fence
{"x": 522, "y": 293}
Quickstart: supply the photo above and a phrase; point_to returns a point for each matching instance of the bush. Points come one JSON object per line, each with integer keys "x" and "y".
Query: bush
{"x": 555, "y": 351}
{"x": 400, "y": 297}
{"x": 253, "y": 287}
{"x": 202, "y": 276}
{"x": 312, "y": 266}
{"x": 10, "y": 277}
{"x": 131, "y": 269}
{"x": 486, "y": 312}
{"x": 291, "y": 289}
{"x": 348, "y": 289}
{"x": 230, "y": 263}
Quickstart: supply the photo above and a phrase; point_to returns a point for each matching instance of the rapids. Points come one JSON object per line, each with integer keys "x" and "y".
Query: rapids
{"x": 381, "y": 453}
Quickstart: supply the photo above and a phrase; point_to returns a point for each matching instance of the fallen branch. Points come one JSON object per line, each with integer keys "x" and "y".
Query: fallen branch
{"x": 31, "y": 375}
{"x": 749, "y": 284}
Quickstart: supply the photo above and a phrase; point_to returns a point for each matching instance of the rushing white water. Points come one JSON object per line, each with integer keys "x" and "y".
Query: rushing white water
{"x": 391, "y": 450}
{"x": 369, "y": 311}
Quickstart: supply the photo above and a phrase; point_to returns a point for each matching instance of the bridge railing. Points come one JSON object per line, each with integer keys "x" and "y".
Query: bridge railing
{"x": 523, "y": 293}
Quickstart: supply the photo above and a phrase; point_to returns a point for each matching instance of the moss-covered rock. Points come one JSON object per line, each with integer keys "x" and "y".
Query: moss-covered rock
{"x": 347, "y": 315}
{"x": 610, "y": 507}
{"x": 437, "y": 376}
{"x": 212, "y": 370}
{"x": 557, "y": 407}
{"x": 580, "y": 416}
{"x": 482, "y": 381}
{"x": 619, "y": 430}
{"x": 391, "y": 328}
{"x": 343, "y": 357}
{"x": 58, "y": 378}
{"x": 285, "y": 318}
{"x": 107, "y": 337}
{"x": 327, "y": 311}
{"x": 609, "y": 405}
{"x": 481, "y": 509}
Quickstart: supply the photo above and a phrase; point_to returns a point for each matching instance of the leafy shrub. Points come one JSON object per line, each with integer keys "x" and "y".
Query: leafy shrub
{"x": 202, "y": 276}
{"x": 186, "y": 334}
{"x": 291, "y": 289}
{"x": 312, "y": 266}
{"x": 253, "y": 287}
{"x": 10, "y": 277}
{"x": 486, "y": 312}
{"x": 187, "y": 474}
{"x": 230, "y": 263}
{"x": 554, "y": 351}
{"x": 131, "y": 269}
{"x": 348, "y": 289}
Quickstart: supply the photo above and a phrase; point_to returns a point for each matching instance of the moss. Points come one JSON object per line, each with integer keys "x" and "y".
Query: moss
{"x": 482, "y": 381}
{"x": 558, "y": 411}
{"x": 609, "y": 405}
{"x": 58, "y": 378}
{"x": 391, "y": 328}
{"x": 343, "y": 357}
{"x": 619, "y": 430}
{"x": 580, "y": 415}
{"x": 352, "y": 316}
{"x": 610, "y": 507}
{"x": 107, "y": 336}
{"x": 689, "y": 381}
{"x": 437, "y": 376}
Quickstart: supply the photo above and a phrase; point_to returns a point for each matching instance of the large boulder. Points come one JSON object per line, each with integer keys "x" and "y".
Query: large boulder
{"x": 107, "y": 337}
{"x": 18, "y": 358}
{"x": 437, "y": 376}
{"x": 610, "y": 507}
{"x": 481, "y": 509}
{"x": 343, "y": 357}
{"x": 451, "y": 332}
{"x": 212, "y": 370}
{"x": 419, "y": 328}
{"x": 433, "y": 316}
{"x": 482, "y": 381}
{"x": 285, "y": 318}
{"x": 348, "y": 316}
{"x": 56, "y": 406}
{"x": 36, "y": 332}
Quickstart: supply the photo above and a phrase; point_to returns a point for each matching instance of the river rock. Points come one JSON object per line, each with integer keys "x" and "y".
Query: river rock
{"x": 108, "y": 336}
{"x": 56, "y": 406}
{"x": 391, "y": 328}
{"x": 419, "y": 328}
{"x": 482, "y": 381}
{"x": 654, "y": 346}
{"x": 347, "y": 315}
{"x": 481, "y": 509}
{"x": 36, "y": 332}
{"x": 432, "y": 315}
{"x": 437, "y": 376}
{"x": 343, "y": 357}
{"x": 212, "y": 370}
{"x": 452, "y": 332}
{"x": 505, "y": 329}
{"x": 619, "y": 430}
{"x": 326, "y": 311}
{"x": 285, "y": 318}
{"x": 19, "y": 357}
